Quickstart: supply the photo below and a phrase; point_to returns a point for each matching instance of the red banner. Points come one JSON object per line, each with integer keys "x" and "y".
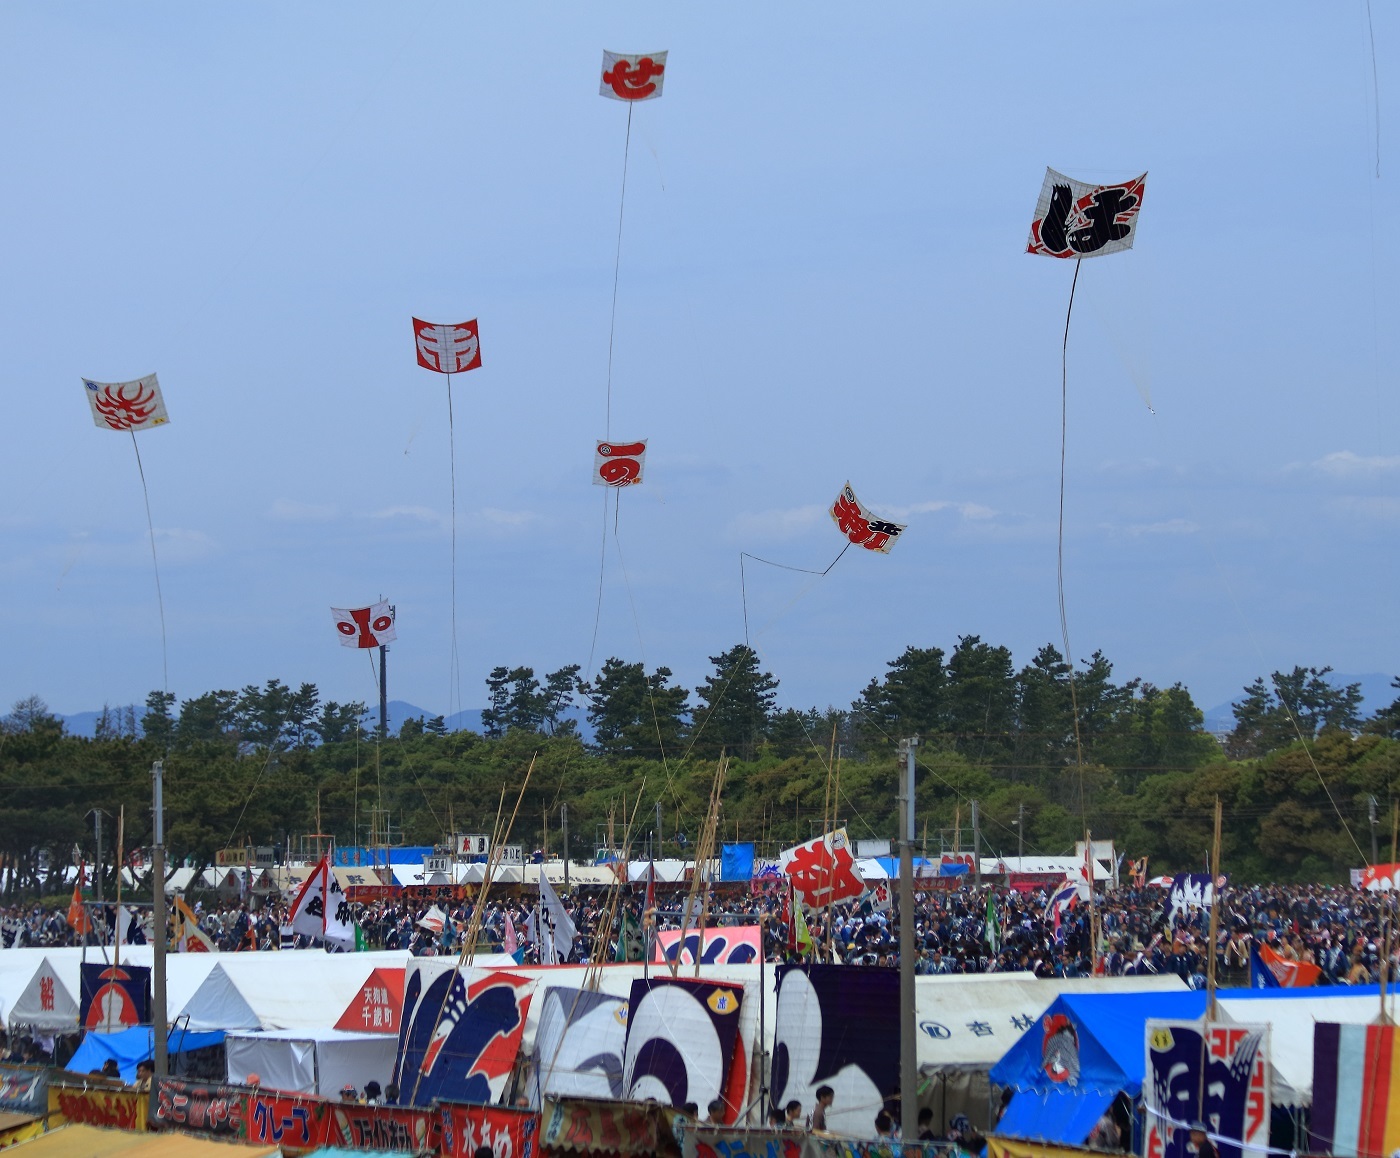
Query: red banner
{"x": 294, "y": 1122}
{"x": 397, "y": 1128}
{"x": 218, "y": 1110}
{"x": 509, "y": 1132}
{"x": 617, "y": 1127}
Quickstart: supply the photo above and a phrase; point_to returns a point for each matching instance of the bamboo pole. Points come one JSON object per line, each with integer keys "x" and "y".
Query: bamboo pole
{"x": 1217, "y": 895}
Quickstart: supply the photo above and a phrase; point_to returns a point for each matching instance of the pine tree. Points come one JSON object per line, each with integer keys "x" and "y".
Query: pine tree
{"x": 737, "y": 704}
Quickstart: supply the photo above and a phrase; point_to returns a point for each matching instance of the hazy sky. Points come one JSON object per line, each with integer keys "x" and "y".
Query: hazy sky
{"x": 823, "y": 277}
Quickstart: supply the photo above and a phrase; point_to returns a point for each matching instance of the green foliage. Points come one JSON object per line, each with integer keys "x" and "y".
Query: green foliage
{"x": 264, "y": 764}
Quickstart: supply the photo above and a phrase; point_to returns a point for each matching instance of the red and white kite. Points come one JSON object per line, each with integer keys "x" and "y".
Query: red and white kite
{"x": 860, "y": 526}
{"x": 447, "y": 349}
{"x": 632, "y": 78}
{"x": 823, "y": 871}
{"x": 371, "y": 626}
{"x": 134, "y": 405}
{"x": 1076, "y": 219}
{"x": 619, "y": 464}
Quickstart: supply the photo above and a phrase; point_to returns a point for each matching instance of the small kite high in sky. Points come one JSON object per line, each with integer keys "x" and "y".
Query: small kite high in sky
{"x": 451, "y": 349}
{"x": 136, "y": 405}
{"x": 371, "y": 626}
{"x": 860, "y": 526}
{"x": 632, "y": 78}
{"x": 1076, "y": 219}
{"x": 618, "y": 464}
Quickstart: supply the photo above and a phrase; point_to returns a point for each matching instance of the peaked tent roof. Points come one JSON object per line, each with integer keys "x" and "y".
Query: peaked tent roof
{"x": 46, "y": 1004}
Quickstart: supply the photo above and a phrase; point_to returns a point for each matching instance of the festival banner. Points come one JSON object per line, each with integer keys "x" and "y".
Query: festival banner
{"x": 377, "y": 1007}
{"x": 734, "y": 945}
{"x": 835, "y": 1026}
{"x": 394, "y": 1128}
{"x": 510, "y": 1133}
{"x": 1356, "y": 1089}
{"x": 1269, "y": 970}
{"x": 681, "y": 1038}
{"x": 732, "y": 1142}
{"x": 1235, "y": 1085}
{"x": 823, "y": 871}
{"x": 24, "y": 1089}
{"x": 114, "y": 997}
{"x": 295, "y": 1122}
{"x": 587, "y": 1126}
{"x": 579, "y": 1043}
{"x": 112, "y": 1109}
{"x": 218, "y": 1110}
{"x": 1190, "y": 891}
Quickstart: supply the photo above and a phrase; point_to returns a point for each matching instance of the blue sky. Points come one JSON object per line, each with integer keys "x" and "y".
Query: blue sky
{"x": 822, "y": 278}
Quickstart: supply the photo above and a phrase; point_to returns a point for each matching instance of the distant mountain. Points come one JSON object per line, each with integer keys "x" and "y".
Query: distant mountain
{"x": 85, "y": 723}
{"x": 1376, "y": 693}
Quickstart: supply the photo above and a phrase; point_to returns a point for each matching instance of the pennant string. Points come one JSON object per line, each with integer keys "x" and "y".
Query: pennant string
{"x": 617, "y": 266}
{"x": 155, "y": 564}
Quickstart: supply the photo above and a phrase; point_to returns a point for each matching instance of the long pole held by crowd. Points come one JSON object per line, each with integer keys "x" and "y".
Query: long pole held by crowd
{"x": 908, "y": 1052}
{"x": 158, "y": 1027}
{"x": 1217, "y": 899}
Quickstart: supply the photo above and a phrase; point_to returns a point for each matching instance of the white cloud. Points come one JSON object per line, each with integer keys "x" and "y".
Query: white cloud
{"x": 966, "y": 510}
{"x": 1349, "y": 464}
{"x": 1165, "y": 527}
{"x": 291, "y": 511}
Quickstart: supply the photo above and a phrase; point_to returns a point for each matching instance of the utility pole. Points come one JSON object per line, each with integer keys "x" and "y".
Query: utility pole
{"x": 908, "y": 1044}
{"x": 976, "y": 853}
{"x": 158, "y": 1027}
{"x": 659, "y": 838}
{"x": 1370, "y": 812}
{"x": 97, "y": 869}
{"x": 1020, "y": 833}
{"x": 564, "y": 835}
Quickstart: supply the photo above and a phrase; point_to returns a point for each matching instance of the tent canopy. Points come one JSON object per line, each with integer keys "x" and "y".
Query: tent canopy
{"x": 46, "y": 1004}
{"x": 311, "y": 1061}
{"x": 133, "y": 1045}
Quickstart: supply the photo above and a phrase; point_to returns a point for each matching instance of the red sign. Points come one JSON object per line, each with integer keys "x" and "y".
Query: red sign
{"x": 510, "y": 1133}
{"x": 397, "y": 1128}
{"x": 378, "y": 1006}
{"x": 293, "y": 1122}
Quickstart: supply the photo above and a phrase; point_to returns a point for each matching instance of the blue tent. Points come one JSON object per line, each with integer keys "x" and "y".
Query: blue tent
{"x": 134, "y": 1045}
{"x": 1105, "y": 1032}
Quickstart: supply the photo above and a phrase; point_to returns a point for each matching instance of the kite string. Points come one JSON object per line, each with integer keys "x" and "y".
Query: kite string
{"x": 454, "y": 674}
{"x": 155, "y": 563}
{"x": 617, "y": 266}
{"x": 1060, "y": 543}
{"x": 1375, "y": 85}
{"x": 598, "y": 610}
{"x": 743, "y": 584}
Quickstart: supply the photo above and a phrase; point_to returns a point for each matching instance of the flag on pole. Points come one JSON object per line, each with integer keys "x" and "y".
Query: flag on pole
{"x": 991, "y": 931}
{"x": 321, "y": 910}
{"x": 510, "y": 942}
{"x": 189, "y": 937}
{"x": 556, "y": 936}
{"x": 77, "y": 915}
{"x": 1269, "y": 970}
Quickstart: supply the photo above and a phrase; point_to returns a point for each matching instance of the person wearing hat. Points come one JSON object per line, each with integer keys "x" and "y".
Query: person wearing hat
{"x": 347, "y": 1093}
{"x": 1201, "y": 1144}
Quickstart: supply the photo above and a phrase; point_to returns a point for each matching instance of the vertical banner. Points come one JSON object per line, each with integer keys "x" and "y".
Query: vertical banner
{"x": 1235, "y": 1082}
{"x": 114, "y": 997}
{"x": 218, "y": 1110}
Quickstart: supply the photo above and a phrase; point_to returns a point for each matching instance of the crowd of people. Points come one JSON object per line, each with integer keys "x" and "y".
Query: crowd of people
{"x": 960, "y": 930}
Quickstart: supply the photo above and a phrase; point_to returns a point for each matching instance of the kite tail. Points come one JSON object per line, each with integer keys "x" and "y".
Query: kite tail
{"x": 1060, "y": 546}
{"x": 155, "y": 564}
{"x": 617, "y": 266}
{"x": 454, "y": 675}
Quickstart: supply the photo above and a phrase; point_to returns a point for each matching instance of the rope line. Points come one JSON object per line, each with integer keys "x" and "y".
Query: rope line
{"x": 454, "y": 673}
{"x": 617, "y": 267}
{"x": 1060, "y": 538}
{"x": 155, "y": 564}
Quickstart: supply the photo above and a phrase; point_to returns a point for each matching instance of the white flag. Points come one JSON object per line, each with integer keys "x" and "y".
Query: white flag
{"x": 321, "y": 910}
{"x": 556, "y": 928}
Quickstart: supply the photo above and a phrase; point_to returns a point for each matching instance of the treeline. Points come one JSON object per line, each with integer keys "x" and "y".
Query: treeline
{"x": 1307, "y": 783}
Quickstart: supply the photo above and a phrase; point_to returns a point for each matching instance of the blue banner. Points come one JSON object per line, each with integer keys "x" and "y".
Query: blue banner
{"x": 736, "y": 862}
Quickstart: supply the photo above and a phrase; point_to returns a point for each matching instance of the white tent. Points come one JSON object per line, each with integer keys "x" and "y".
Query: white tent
{"x": 287, "y": 990}
{"x": 311, "y": 1061}
{"x": 1039, "y": 866}
{"x": 46, "y": 1004}
{"x": 871, "y": 869}
{"x": 667, "y": 871}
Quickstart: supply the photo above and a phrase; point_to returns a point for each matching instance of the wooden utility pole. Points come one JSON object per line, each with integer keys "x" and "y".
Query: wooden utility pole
{"x": 908, "y": 1020}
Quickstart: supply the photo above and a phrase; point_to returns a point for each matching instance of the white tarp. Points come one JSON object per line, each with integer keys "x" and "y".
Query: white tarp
{"x": 1039, "y": 865}
{"x": 317, "y": 1061}
{"x": 967, "y": 1021}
